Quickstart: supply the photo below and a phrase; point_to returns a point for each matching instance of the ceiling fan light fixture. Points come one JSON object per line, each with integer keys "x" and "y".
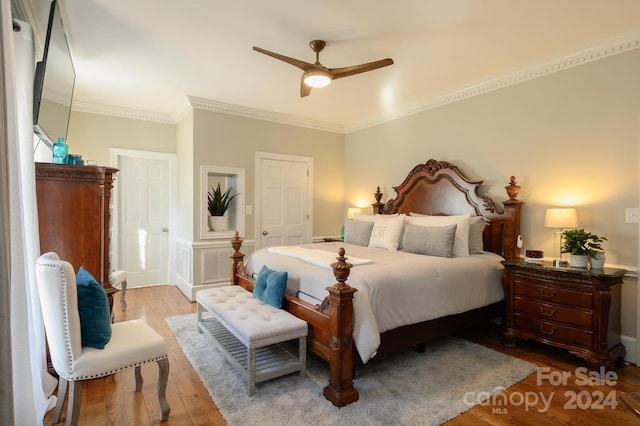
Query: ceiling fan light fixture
{"x": 317, "y": 78}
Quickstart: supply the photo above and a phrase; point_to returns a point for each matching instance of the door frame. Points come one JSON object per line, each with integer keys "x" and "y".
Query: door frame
{"x": 259, "y": 156}
{"x": 116, "y": 155}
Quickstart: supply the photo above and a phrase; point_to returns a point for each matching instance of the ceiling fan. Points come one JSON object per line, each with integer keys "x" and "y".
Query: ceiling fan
{"x": 317, "y": 75}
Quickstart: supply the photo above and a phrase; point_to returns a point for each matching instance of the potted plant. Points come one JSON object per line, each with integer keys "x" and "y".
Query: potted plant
{"x": 581, "y": 245}
{"x": 218, "y": 203}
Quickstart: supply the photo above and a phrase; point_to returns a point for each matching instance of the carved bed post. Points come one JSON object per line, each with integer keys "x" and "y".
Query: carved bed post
{"x": 377, "y": 206}
{"x": 340, "y": 390}
{"x": 237, "y": 257}
{"x": 512, "y": 209}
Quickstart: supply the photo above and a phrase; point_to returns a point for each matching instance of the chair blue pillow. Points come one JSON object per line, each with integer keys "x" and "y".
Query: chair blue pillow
{"x": 93, "y": 307}
{"x": 270, "y": 286}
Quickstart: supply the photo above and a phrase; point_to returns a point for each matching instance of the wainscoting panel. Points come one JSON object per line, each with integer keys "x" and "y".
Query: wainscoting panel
{"x": 205, "y": 265}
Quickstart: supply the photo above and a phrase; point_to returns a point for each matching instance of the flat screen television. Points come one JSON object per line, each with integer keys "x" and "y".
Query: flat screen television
{"x": 54, "y": 82}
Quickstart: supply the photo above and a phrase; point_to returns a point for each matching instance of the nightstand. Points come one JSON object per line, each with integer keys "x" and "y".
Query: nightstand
{"x": 573, "y": 308}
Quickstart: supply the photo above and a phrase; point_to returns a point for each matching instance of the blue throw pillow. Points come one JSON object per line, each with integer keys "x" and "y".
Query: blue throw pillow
{"x": 270, "y": 286}
{"x": 93, "y": 307}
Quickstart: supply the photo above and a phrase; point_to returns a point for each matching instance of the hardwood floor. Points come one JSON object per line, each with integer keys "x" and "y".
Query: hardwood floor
{"x": 111, "y": 400}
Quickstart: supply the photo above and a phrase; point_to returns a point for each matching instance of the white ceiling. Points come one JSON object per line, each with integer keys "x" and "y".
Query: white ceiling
{"x": 149, "y": 55}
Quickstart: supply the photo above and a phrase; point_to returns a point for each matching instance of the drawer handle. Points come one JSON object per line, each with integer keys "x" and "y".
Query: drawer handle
{"x": 548, "y": 296}
{"x": 547, "y": 314}
{"x": 552, "y": 331}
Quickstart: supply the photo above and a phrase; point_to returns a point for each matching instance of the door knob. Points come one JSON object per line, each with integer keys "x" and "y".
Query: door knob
{"x": 264, "y": 232}
{"x": 165, "y": 229}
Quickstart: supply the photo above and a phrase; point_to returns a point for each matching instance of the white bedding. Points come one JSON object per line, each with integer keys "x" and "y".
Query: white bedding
{"x": 396, "y": 288}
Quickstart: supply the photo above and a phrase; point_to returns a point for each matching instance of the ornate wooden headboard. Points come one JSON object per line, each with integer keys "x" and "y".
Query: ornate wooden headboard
{"x": 439, "y": 188}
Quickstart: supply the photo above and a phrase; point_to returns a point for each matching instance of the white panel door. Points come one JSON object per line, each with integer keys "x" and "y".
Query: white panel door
{"x": 284, "y": 191}
{"x": 144, "y": 217}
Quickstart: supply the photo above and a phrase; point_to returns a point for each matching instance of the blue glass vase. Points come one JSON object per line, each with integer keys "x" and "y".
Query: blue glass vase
{"x": 60, "y": 152}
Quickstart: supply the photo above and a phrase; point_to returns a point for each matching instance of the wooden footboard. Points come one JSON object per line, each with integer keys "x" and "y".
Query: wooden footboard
{"x": 330, "y": 324}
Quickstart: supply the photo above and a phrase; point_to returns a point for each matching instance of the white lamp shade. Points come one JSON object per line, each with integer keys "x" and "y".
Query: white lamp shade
{"x": 561, "y": 218}
{"x": 316, "y": 78}
{"x": 351, "y": 212}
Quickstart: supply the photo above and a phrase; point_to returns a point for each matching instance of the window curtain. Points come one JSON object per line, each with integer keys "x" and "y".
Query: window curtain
{"x": 30, "y": 385}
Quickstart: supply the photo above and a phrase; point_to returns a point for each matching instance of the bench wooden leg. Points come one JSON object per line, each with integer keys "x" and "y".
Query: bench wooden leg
{"x": 251, "y": 370}
{"x": 302, "y": 356}
{"x": 199, "y": 316}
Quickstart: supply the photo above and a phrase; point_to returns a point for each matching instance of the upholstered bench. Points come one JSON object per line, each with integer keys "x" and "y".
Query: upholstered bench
{"x": 250, "y": 333}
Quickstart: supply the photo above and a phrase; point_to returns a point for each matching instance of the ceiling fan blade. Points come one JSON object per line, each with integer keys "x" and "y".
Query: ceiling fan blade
{"x": 357, "y": 69}
{"x": 295, "y": 62}
{"x": 304, "y": 89}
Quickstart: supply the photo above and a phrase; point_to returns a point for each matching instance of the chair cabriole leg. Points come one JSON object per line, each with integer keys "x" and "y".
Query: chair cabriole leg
{"x": 73, "y": 409}
{"x": 163, "y": 378}
{"x": 62, "y": 393}
{"x": 137, "y": 376}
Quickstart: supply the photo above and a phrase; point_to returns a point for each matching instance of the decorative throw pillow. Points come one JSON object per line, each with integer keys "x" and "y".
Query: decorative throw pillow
{"x": 270, "y": 286}
{"x": 476, "y": 230}
{"x": 429, "y": 240}
{"x": 365, "y": 217}
{"x": 461, "y": 241}
{"x": 357, "y": 232}
{"x": 387, "y": 231}
{"x": 93, "y": 307}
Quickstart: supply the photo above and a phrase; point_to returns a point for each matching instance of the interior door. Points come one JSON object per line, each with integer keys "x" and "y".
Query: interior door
{"x": 284, "y": 201}
{"x": 143, "y": 211}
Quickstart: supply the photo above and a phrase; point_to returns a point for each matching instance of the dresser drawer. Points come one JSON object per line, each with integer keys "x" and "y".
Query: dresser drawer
{"x": 582, "y": 299}
{"x": 553, "y": 331}
{"x": 552, "y": 312}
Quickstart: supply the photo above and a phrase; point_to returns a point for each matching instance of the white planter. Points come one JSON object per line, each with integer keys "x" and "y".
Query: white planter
{"x": 218, "y": 223}
{"x": 597, "y": 261}
{"x": 578, "y": 260}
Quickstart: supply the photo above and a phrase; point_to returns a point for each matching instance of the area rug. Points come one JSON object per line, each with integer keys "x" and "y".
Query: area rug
{"x": 408, "y": 388}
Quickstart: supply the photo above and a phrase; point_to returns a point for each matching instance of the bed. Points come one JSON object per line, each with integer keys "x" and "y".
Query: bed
{"x": 340, "y": 316}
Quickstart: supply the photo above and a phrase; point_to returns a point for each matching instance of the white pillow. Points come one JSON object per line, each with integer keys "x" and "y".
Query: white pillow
{"x": 365, "y": 217}
{"x": 476, "y": 230}
{"x": 461, "y": 241}
{"x": 387, "y": 231}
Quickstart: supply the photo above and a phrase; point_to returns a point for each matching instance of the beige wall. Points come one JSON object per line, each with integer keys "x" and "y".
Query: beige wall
{"x": 185, "y": 214}
{"x": 232, "y": 141}
{"x": 93, "y": 135}
{"x": 571, "y": 139}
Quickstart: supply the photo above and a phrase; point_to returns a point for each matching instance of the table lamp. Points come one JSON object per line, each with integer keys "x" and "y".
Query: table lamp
{"x": 351, "y": 212}
{"x": 561, "y": 219}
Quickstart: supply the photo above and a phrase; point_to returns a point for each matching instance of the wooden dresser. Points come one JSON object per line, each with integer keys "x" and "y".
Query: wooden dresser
{"x": 73, "y": 216}
{"x": 572, "y": 308}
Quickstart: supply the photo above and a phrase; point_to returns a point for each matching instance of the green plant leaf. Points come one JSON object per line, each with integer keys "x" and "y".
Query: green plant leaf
{"x": 218, "y": 202}
{"x": 579, "y": 241}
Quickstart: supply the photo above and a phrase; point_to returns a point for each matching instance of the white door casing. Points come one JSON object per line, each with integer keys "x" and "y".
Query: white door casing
{"x": 284, "y": 199}
{"x": 143, "y": 216}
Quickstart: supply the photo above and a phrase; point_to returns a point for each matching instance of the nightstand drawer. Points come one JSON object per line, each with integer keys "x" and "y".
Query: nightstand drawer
{"x": 547, "y": 293}
{"x": 554, "y": 331}
{"x": 551, "y": 312}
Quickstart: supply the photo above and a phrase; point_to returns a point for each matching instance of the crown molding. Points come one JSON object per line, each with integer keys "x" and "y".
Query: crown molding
{"x": 594, "y": 52}
{"x": 133, "y": 114}
{"x": 260, "y": 114}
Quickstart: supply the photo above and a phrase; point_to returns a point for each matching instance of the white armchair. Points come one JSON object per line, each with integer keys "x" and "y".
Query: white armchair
{"x": 133, "y": 343}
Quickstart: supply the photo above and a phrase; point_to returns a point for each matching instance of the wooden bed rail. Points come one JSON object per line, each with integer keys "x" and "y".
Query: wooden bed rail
{"x": 330, "y": 324}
